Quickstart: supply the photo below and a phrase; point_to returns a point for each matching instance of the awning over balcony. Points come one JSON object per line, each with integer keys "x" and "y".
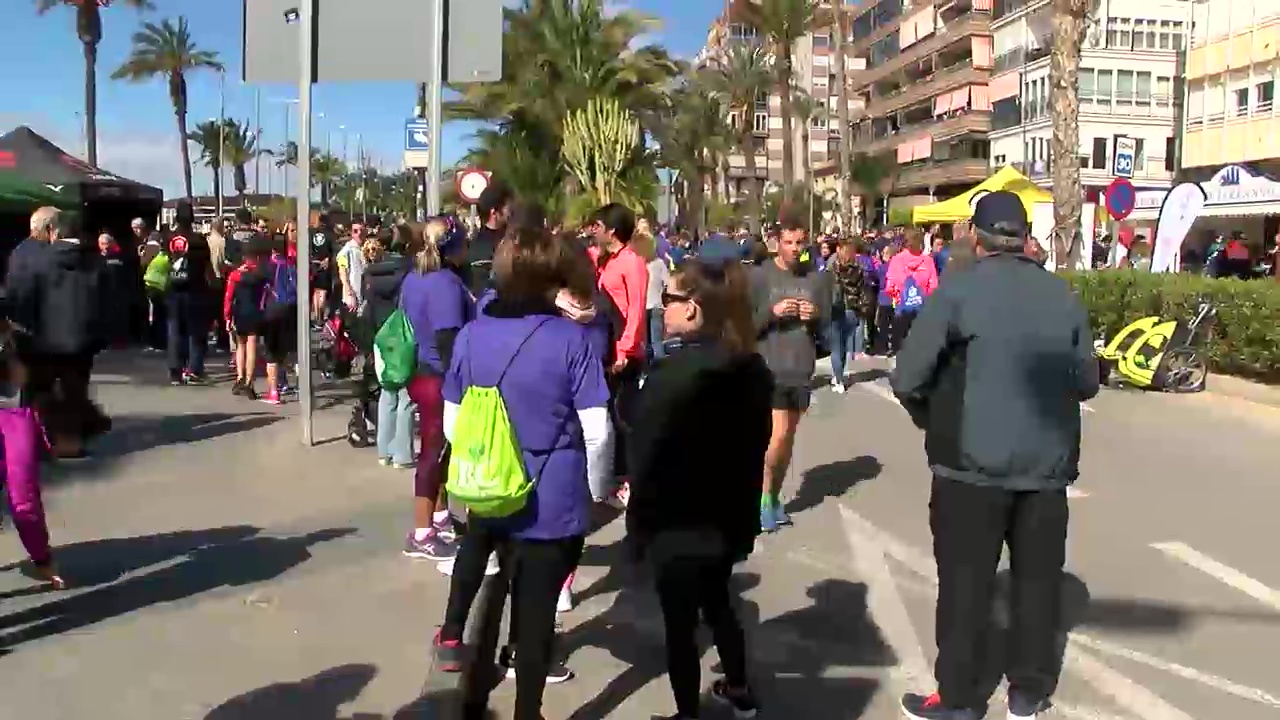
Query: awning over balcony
{"x": 982, "y": 55}
{"x": 1004, "y": 86}
{"x": 916, "y": 27}
{"x": 918, "y": 149}
{"x": 960, "y": 207}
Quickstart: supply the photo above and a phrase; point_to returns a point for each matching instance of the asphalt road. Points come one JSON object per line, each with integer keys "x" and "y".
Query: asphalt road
{"x": 225, "y": 573}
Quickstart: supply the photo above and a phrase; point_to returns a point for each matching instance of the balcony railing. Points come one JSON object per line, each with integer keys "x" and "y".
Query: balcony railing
{"x": 938, "y": 128}
{"x": 932, "y": 173}
{"x": 966, "y": 25}
{"x": 1018, "y": 57}
{"x": 949, "y": 78}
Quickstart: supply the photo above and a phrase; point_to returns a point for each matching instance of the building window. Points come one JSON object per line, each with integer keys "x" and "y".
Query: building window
{"x": 1000, "y": 160}
{"x": 762, "y": 101}
{"x": 1170, "y": 150}
{"x": 1103, "y": 92}
{"x": 1086, "y": 86}
{"x": 1242, "y": 101}
{"x": 1164, "y": 91}
{"x": 1124, "y": 87}
{"x": 1099, "y": 159}
{"x": 761, "y": 124}
{"x": 1144, "y": 88}
{"x": 1119, "y": 34}
{"x": 1139, "y": 156}
{"x": 819, "y": 121}
{"x": 1149, "y": 33}
{"x": 1140, "y": 36}
{"x": 1265, "y": 94}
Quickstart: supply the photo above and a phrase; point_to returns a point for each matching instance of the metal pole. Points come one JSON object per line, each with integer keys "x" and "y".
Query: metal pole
{"x": 285, "y": 191}
{"x": 435, "y": 114}
{"x": 364, "y": 174}
{"x": 307, "y": 52}
{"x": 222, "y": 140}
{"x": 420, "y": 110}
{"x": 257, "y": 142}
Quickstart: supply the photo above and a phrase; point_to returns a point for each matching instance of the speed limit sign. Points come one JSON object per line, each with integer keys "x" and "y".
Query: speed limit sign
{"x": 471, "y": 183}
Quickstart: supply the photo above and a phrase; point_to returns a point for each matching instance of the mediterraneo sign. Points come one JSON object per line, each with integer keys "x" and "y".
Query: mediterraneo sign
{"x": 1232, "y": 185}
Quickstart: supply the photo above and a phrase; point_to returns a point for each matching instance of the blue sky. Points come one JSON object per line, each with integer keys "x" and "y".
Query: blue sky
{"x": 43, "y": 79}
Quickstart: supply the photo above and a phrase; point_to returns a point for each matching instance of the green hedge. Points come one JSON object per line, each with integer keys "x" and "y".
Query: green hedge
{"x": 1246, "y": 337}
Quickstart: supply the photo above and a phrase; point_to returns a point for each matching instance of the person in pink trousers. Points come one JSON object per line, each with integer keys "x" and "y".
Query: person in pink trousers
{"x": 21, "y": 440}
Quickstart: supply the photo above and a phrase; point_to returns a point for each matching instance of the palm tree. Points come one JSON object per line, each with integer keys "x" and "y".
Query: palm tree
{"x": 842, "y": 117}
{"x": 167, "y": 50}
{"x": 870, "y": 174}
{"x": 89, "y": 30}
{"x": 743, "y": 74}
{"x": 783, "y": 22}
{"x": 240, "y": 148}
{"x": 287, "y": 154}
{"x": 807, "y": 108}
{"x": 691, "y": 135}
{"x": 559, "y": 55}
{"x": 325, "y": 170}
{"x": 210, "y": 137}
{"x": 1069, "y": 27}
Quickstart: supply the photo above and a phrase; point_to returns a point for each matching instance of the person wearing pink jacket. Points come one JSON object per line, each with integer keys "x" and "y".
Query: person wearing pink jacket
{"x": 912, "y": 277}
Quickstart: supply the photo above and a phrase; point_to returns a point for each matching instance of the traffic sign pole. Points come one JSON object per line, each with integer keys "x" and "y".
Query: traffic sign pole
{"x": 306, "y": 53}
{"x": 435, "y": 114}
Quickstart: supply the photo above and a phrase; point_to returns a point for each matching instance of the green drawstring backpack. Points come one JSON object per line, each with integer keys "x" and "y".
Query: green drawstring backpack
{"x": 486, "y": 467}
{"x": 156, "y": 276}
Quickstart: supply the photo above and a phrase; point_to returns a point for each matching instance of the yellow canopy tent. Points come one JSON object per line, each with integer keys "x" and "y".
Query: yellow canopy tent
{"x": 960, "y": 207}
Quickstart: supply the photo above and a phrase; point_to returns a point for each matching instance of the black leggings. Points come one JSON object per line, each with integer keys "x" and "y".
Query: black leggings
{"x": 687, "y": 585}
{"x": 533, "y": 571}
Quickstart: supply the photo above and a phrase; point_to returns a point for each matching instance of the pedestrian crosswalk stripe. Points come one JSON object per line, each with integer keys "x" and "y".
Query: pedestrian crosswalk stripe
{"x": 1223, "y": 573}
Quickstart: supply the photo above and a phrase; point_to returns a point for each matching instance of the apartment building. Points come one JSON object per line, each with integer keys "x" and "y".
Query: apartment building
{"x": 814, "y": 70}
{"x": 925, "y": 89}
{"x": 1231, "y": 114}
{"x": 1129, "y": 87}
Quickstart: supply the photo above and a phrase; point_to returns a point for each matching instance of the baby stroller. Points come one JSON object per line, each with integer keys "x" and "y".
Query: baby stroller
{"x": 1156, "y": 353}
{"x": 336, "y": 352}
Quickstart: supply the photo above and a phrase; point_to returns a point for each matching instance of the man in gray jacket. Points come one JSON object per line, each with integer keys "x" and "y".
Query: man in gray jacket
{"x": 994, "y": 371}
{"x": 791, "y": 302}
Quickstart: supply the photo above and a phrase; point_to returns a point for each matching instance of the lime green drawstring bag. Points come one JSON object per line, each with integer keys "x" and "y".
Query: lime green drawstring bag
{"x": 156, "y": 276}
{"x": 486, "y": 466}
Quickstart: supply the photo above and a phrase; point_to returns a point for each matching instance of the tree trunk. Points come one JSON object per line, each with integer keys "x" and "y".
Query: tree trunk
{"x": 783, "y": 60}
{"x": 217, "y": 179}
{"x": 846, "y": 142}
{"x": 241, "y": 180}
{"x": 747, "y": 141}
{"x": 91, "y": 103}
{"x": 181, "y": 113}
{"x": 1064, "y": 60}
{"x": 697, "y": 193}
{"x": 89, "y": 30}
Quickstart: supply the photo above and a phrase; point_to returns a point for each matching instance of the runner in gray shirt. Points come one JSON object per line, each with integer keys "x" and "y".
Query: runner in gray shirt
{"x": 791, "y": 303}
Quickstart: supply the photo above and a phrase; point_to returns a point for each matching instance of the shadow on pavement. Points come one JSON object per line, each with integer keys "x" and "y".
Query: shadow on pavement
{"x": 318, "y": 697}
{"x": 321, "y": 697}
{"x": 832, "y": 480}
{"x": 207, "y": 560}
{"x": 800, "y": 647}
{"x": 133, "y": 433}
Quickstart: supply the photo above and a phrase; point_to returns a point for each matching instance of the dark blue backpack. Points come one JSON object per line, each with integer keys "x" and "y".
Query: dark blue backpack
{"x": 912, "y": 298}
{"x": 282, "y": 295}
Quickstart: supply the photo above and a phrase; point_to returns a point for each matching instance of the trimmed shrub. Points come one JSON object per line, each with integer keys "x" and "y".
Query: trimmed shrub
{"x": 1246, "y": 335}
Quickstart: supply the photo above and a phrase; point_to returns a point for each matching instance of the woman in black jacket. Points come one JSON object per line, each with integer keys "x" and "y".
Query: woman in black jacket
{"x": 702, "y": 426}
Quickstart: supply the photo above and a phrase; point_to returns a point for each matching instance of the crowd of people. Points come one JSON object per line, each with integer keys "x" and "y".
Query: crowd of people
{"x": 556, "y": 378}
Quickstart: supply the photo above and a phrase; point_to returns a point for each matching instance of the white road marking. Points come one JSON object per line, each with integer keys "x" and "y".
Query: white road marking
{"x": 1127, "y": 694}
{"x": 1213, "y": 681}
{"x": 1228, "y": 575}
{"x": 885, "y": 604}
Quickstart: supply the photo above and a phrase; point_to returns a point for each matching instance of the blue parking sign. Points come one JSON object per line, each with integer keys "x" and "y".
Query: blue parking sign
{"x": 417, "y": 135}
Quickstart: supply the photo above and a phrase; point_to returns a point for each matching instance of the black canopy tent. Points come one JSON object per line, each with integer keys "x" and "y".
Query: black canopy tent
{"x": 104, "y": 200}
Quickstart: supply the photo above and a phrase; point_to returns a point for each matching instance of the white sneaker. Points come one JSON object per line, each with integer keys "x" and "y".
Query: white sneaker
{"x": 490, "y": 568}
{"x": 838, "y": 387}
{"x": 565, "y": 602}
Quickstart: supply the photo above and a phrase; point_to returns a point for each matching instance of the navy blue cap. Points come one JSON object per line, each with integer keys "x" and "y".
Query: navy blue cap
{"x": 1001, "y": 213}
{"x": 719, "y": 249}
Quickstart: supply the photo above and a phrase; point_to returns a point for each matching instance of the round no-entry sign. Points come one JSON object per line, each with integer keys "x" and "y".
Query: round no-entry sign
{"x": 471, "y": 183}
{"x": 1120, "y": 198}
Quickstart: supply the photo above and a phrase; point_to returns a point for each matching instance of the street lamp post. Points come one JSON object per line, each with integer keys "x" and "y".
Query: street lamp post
{"x": 222, "y": 132}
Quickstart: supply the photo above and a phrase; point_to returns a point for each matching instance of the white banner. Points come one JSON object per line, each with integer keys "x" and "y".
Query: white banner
{"x": 1179, "y": 211}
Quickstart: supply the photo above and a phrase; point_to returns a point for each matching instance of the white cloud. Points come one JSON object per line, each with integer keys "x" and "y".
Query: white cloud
{"x": 143, "y": 155}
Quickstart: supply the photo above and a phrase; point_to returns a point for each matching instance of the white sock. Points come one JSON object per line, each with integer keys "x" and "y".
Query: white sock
{"x": 421, "y": 534}
{"x": 440, "y": 515}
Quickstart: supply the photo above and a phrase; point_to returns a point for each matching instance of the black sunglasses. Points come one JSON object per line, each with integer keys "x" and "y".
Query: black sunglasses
{"x": 673, "y": 298}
